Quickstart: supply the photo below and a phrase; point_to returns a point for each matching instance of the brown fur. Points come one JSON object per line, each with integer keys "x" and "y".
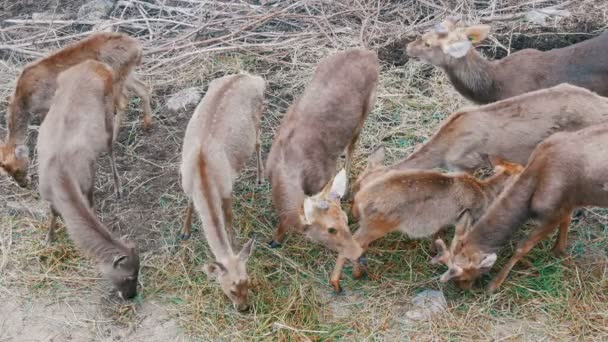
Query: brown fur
{"x": 421, "y": 203}
{"x": 484, "y": 81}
{"x": 510, "y": 128}
{"x": 325, "y": 121}
{"x": 38, "y": 81}
{"x": 566, "y": 171}
{"x": 221, "y": 135}
{"x": 78, "y": 130}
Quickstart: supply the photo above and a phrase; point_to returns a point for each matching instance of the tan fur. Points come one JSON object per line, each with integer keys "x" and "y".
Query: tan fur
{"x": 38, "y": 81}
{"x": 510, "y": 128}
{"x": 420, "y": 203}
{"x": 566, "y": 171}
{"x": 221, "y": 135}
{"x": 78, "y": 130}
{"x": 318, "y": 127}
{"x": 484, "y": 81}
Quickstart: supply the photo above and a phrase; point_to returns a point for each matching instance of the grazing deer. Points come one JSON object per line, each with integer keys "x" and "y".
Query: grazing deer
{"x": 317, "y": 128}
{"x": 509, "y": 128}
{"x": 566, "y": 171}
{"x": 451, "y": 48}
{"x": 77, "y": 130}
{"x": 419, "y": 203}
{"x": 38, "y": 81}
{"x": 220, "y": 137}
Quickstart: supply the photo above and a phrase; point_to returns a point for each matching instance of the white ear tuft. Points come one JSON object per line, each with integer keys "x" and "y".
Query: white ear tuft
{"x": 488, "y": 261}
{"x": 309, "y": 210}
{"x": 458, "y": 49}
{"x": 338, "y": 188}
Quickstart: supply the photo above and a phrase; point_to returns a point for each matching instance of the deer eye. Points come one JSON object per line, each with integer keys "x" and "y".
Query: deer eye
{"x": 332, "y": 230}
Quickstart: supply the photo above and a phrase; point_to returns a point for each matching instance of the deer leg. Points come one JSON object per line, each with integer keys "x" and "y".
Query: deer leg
{"x": 187, "y": 226}
{"x": 559, "y": 249}
{"x": 260, "y": 166}
{"x": 523, "y": 248}
{"x": 143, "y": 92}
{"x": 117, "y": 185}
{"x": 440, "y": 234}
{"x": 279, "y": 235}
{"x": 334, "y": 280}
{"x": 50, "y": 236}
{"x": 121, "y": 109}
{"x": 364, "y": 237}
{"x": 227, "y": 209}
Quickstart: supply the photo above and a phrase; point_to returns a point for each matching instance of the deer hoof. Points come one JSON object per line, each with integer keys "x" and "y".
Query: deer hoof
{"x": 359, "y": 271}
{"x": 337, "y": 287}
{"x": 273, "y": 244}
{"x": 184, "y": 236}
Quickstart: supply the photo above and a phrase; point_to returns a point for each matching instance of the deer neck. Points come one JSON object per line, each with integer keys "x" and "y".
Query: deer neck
{"x": 474, "y": 77}
{"x": 18, "y": 120}
{"x": 494, "y": 185}
{"x": 211, "y": 208}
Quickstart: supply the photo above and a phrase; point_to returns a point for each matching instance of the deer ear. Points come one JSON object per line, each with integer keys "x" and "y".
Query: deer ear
{"x": 309, "y": 211}
{"x": 21, "y": 152}
{"x": 463, "y": 223}
{"x": 453, "y": 272}
{"x": 458, "y": 49}
{"x": 376, "y": 158}
{"x": 338, "y": 187}
{"x": 247, "y": 249}
{"x": 117, "y": 260}
{"x": 443, "y": 254}
{"x": 477, "y": 33}
{"x": 214, "y": 270}
{"x": 487, "y": 261}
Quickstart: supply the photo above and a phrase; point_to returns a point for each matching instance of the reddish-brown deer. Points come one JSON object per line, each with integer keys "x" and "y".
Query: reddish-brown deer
{"x": 317, "y": 128}
{"x": 38, "y": 81}
{"x": 510, "y": 128}
{"x": 221, "y": 135}
{"x": 450, "y": 47}
{"x": 77, "y": 130}
{"x": 419, "y": 203}
{"x": 566, "y": 171}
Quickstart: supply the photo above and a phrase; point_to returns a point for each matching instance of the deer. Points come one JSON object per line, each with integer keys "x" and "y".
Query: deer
{"x": 37, "y": 84}
{"x": 450, "y": 46}
{"x": 77, "y": 130}
{"x": 322, "y": 123}
{"x": 565, "y": 171}
{"x": 509, "y": 128}
{"x": 408, "y": 201}
{"x": 221, "y": 135}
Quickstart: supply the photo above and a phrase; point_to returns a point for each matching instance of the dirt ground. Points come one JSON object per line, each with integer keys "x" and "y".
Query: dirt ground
{"x": 56, "y": 294}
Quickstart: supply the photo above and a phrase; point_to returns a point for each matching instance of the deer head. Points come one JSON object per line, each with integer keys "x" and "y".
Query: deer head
{"x": 14, "y": 161}
{"x": 231, "y": 274}
{"x": 123, "y": 271}
{"x": 465, "y": 265}
{"x": 325, "y": 222}
{"x": 446, "y": 42}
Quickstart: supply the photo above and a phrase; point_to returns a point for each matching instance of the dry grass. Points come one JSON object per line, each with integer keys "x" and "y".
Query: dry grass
{"x": 189, "y": 43}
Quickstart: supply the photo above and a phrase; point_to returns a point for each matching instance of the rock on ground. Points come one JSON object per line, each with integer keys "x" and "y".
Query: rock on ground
{"x": 95, "y": 9}
{"x": 426, "y": 304}
{"x": 183, "y": 98}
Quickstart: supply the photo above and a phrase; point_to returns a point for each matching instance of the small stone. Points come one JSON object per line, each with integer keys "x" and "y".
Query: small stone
{"x": 183, "y": 98}
{"x": 95, "y": 9}
{"x": 426, "y": 304}
{"x": 33, "y": 210}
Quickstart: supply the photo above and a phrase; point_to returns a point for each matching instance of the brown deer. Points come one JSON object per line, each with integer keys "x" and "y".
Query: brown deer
{"x": 509, "y": 128}
{"x": 38, "y": 82}
{"x": 221, "y": 135}
{"x": 79, "y": 128}
{"x": 419, "y": 203}
{"x": 318, "y": 127}
{"x": 566, "y": 171}
{"x": 450, "y": 47}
